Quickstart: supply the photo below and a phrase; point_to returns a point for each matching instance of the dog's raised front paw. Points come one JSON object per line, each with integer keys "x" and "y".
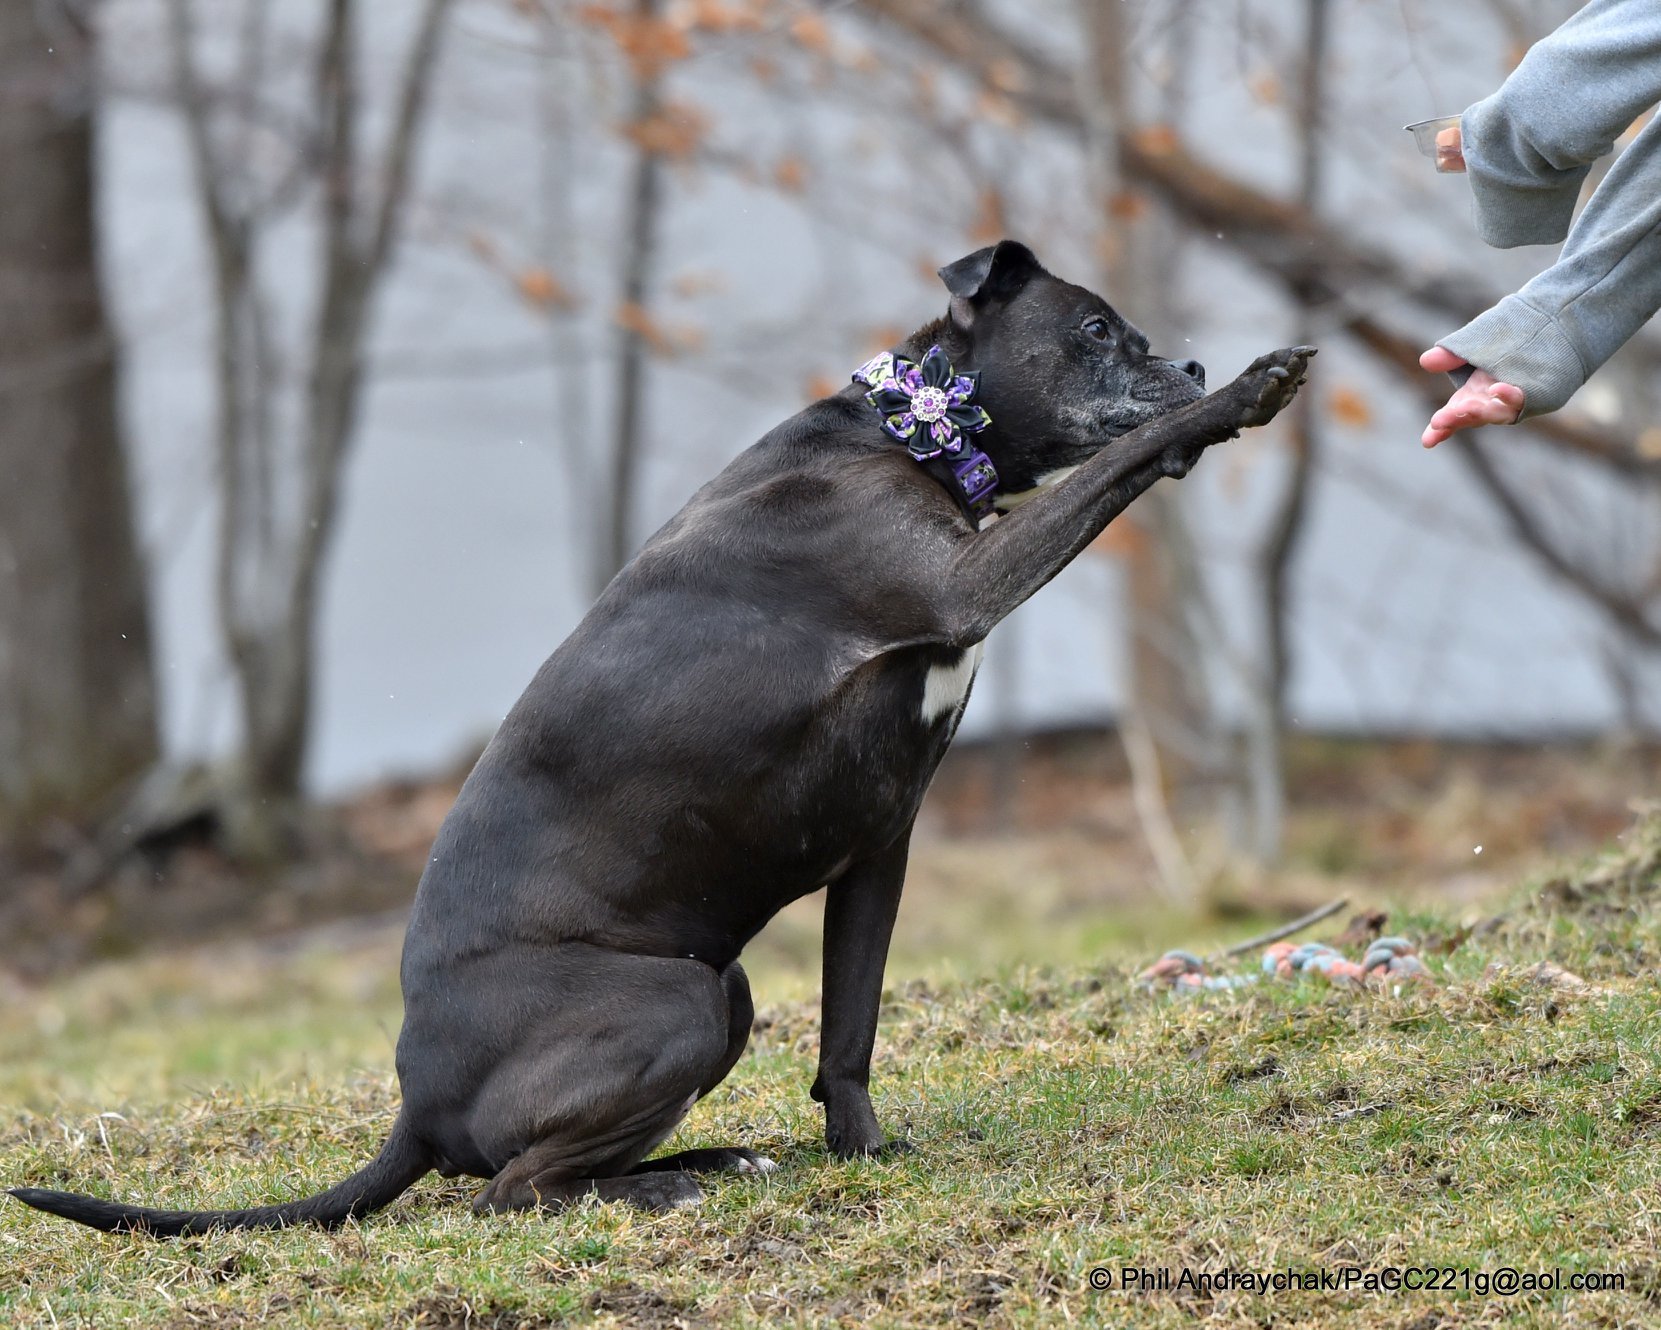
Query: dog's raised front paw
{"x": 1269, "y": 384}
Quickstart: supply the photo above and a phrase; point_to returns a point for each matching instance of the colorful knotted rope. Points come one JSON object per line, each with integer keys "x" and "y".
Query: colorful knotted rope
{"x": 1387, "y": 961}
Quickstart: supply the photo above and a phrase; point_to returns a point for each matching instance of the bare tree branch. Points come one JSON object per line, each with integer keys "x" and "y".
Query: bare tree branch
{"x": 1626, "y": 613}
{"x": 639, "y": 253}
{"x": 228, "y": 241}
{"x": 412, "y": 101}
{"x": 1625, "y": 610}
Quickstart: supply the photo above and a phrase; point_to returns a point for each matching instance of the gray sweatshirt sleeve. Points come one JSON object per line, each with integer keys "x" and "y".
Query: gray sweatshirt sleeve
{"x": 1528, "y": 149}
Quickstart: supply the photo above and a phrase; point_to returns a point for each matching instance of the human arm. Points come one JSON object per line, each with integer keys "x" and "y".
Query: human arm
{"x": 1548, "y": 338}
{"x": 1527, "y": 148}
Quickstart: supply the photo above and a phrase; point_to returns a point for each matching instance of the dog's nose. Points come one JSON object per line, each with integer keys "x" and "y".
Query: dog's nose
{"x": 1192, "y": 368}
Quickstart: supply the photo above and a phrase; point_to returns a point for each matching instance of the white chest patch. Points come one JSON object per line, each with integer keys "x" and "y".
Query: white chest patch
{"x": 945, "y": 686}
{"x": 1007, "y": 502}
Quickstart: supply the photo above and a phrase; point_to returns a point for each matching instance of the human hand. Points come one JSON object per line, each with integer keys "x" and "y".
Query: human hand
{"x": 1450, "y": 150}
{"x": 1480, "y": 400}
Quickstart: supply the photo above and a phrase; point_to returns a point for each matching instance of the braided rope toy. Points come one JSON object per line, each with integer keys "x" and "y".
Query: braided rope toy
{"x": 1387, "y": 961}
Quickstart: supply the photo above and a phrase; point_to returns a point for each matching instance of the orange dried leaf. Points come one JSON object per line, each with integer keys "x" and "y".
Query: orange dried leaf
{"x": 541, "y": 287}
{"x": 675, "y": 131}
{"x": 635, "y": 318}
{"x": 649, "y": 44}
{"x": 991, "y": 221}
{"x": 811, "y": 31}
{"x": 1348, "y": 407}
{"x": 688, "y": 285}
{"x": 712, "y": 16}
{"x": 1127, "y": 205}
{"x": 1159, "y": 140}
{"x": 820, "y": 385}
{"x": 790, "y": 175}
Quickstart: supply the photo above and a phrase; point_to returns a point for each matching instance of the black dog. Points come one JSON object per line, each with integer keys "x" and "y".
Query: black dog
{"x": 752, "y": 710}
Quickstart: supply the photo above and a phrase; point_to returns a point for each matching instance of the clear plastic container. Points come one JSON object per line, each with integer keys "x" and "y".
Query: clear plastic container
{"x": 1439, "y": 140}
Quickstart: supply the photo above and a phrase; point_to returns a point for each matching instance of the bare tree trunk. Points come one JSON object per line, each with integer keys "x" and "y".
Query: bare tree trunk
{"x": 1267, "y": 731}
{"x": 273, "y": 546}
{"x": 77, "y": 697}
{"x": 640, "y": 230}
{"x": 1172, "y": 739}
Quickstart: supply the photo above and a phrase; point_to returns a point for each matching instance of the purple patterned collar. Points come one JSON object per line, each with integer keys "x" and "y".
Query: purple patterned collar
{"x": 928, "y": 408}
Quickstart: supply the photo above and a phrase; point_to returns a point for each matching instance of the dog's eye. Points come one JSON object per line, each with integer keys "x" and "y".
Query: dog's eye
{"x": 1098, "y": 328}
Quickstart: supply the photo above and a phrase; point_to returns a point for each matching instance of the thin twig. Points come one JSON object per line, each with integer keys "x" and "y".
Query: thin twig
{"x": 1297, "y": 925}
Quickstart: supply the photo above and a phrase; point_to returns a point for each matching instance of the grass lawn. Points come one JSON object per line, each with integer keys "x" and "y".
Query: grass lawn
{"x": 1064, "y": 1121}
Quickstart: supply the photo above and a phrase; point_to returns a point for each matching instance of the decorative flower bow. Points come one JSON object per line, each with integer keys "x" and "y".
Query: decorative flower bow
{"x": 926, "y": 407}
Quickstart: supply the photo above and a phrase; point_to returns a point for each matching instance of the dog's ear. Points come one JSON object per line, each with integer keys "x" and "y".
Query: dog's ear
{"x": 994, "y": 273}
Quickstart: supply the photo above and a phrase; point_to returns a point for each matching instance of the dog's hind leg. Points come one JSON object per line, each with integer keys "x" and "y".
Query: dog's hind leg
{"x": 544, "y": 1178}
{"x": 623, "y": 1048}
{"x": 741, "y": 1014}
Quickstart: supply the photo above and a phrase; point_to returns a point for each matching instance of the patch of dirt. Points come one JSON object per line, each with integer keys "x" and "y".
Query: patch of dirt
{"x": 646, "y": 1308}
{"x": 451, "y": 1311}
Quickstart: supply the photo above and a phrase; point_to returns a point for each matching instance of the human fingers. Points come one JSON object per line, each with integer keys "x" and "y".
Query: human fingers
{"x": 1439, "y": 360}
{"x": 1450, "y": 150}
{"x": 1483, "y": 400}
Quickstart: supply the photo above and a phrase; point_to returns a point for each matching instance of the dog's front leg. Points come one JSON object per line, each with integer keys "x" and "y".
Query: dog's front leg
{"x": 991, "y": 573}
{"x": 859, "y": 919}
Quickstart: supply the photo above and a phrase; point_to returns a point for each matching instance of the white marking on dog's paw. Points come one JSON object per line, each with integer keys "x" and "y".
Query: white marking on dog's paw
{"x": 945, "y": 686}
{"x": 760, "y": 1164}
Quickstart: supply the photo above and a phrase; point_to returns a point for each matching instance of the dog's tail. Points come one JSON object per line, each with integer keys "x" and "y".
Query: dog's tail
{"x": 402, "y": 1160}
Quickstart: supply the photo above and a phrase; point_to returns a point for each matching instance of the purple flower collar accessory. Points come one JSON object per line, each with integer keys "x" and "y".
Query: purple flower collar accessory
{"x": 929, "y": 408}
